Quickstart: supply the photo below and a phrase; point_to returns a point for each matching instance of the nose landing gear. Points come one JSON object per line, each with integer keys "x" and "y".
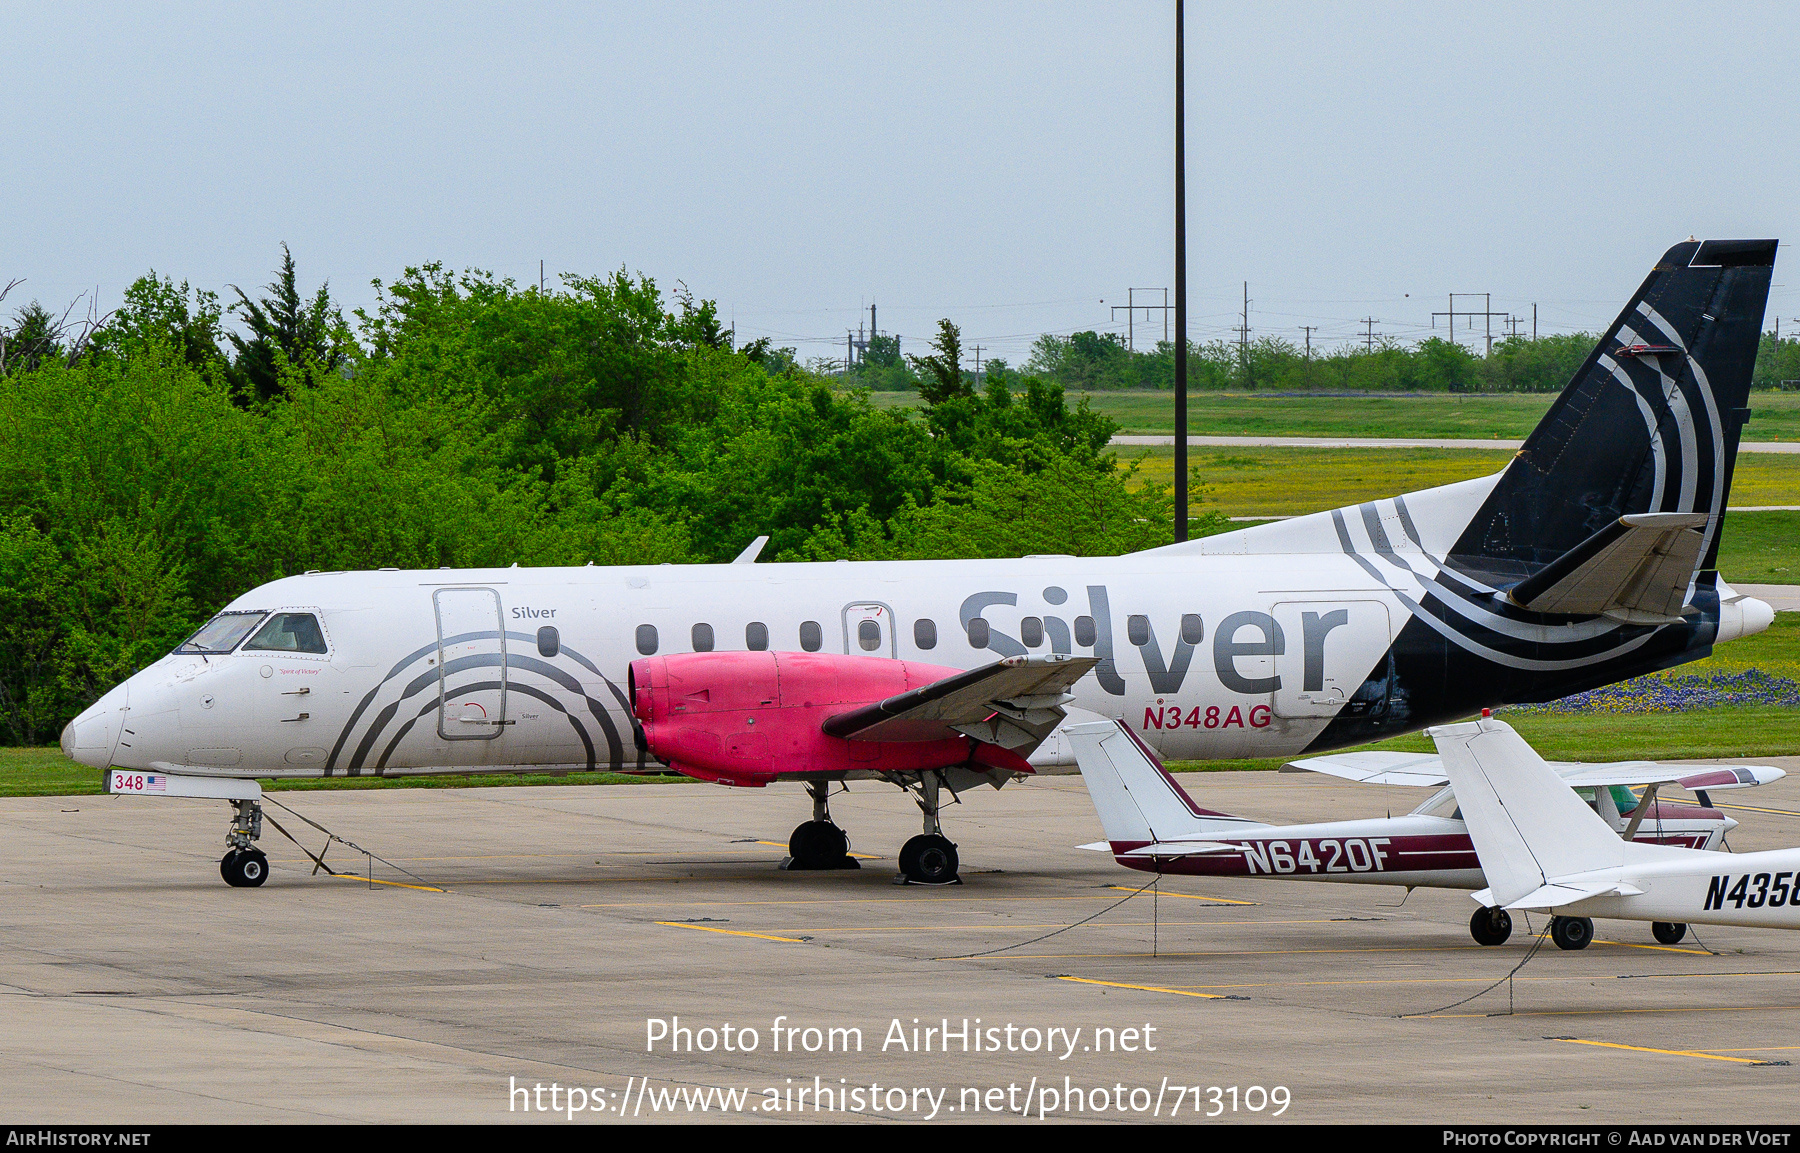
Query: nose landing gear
{"x": 244, "y": 866}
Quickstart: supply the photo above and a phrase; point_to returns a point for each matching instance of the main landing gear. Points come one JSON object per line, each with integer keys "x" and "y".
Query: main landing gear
{"x": 819, "y": 844}
{"x": 1571, "y": 932}
{"x": 244, "y": 866}
{"x": 1668, "y": 932}
{"x": 1490, "y": 926}
{"x": 930, "y": 857}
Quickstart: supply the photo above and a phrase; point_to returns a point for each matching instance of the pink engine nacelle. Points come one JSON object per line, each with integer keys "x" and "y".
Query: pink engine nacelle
{"x": 751, "y": 718}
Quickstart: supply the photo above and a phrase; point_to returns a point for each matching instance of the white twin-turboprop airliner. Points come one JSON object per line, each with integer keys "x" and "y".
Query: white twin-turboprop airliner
{"x": 1589, "y": 558}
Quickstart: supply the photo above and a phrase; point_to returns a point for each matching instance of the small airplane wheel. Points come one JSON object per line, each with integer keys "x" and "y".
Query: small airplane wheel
{"x": 1668, "y": 932}
{"x": 929, "y": 859}
{"x": 818, "y": 845}
{"x": 252, "y": 868}
{"x": 1571, "y": 932}
{"x": 1490, "y": 926}
{"x": 228, "y": 866}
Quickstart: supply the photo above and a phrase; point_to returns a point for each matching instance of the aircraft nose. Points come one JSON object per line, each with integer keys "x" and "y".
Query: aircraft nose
{"x": 90, "y": 738}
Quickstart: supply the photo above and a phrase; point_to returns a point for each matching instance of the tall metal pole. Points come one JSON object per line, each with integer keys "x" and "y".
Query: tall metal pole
{"x": 1181, "y": 353}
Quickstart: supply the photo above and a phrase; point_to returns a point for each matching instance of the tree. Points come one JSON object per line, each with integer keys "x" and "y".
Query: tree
{"x": 155, "y": 310}
{"x": 284, "y": 330}
{"x": 941, "y": 375}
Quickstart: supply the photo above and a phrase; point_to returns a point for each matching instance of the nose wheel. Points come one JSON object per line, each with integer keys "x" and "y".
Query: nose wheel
{"x": 244, "y": 868}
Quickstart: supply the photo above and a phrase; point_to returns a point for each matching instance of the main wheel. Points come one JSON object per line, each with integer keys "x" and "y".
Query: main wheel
{"x": 1490, "y": 926}
{"x": 929, "y": 859}
{"x": 818, "y": 845}
{"x": 1571, "y": 932}
{"x": 1668, "y": 932}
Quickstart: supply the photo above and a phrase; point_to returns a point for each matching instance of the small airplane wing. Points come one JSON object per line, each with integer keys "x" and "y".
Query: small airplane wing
{"x": 1419, "y": 769}
{"x": 1425, "y": 769}
{"x": 1689, "y": 777}
{"x": 1014, "y": 703}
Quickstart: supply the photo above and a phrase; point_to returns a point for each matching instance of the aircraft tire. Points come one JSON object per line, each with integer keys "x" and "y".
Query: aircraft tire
{"x": 1490, "y": 926}
{"x": 228, "y": 867}
{"x": 818, "y": 845}
{"x": 1571, "y": 932}
{"x": 252, "y": 868}
{"x": 1668, "y": 932}
{"x": 929, "y": 859}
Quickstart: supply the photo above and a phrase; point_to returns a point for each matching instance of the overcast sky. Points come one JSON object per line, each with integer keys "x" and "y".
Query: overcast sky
{"x": 1006, "y": 165}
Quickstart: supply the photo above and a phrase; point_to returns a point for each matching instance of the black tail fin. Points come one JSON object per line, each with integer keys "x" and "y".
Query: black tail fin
{"x": 1649, "y": 424}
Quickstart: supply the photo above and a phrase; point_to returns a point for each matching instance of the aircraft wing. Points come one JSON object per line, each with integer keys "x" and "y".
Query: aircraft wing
{"x": 1419, "y": 769}
{"x": 1425, "y": 769}
{"x": 1015, "y": 703}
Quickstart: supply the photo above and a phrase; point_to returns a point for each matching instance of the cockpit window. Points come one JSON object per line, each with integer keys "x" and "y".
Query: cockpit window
{"x": 289, "y": 633}
{"x": 223, "y": 633}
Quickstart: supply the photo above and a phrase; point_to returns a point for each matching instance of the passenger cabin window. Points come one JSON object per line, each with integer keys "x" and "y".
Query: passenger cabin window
{"x": 703, "y": 638}
{"x": 925, "y": 633}
{"x": 811, "y": 636}
{"x": 1031, "y": 631}
{"x": 646, "y": 639}
{"x": 978, "y": 633}
{"x": 868, "y": 635}
{"x": 1084, "y": 632}
{"x": 1193, "y": 629}
{"x": 756, "y": 636}
{"x": 549, "y": 643}
{"x": 1137, "y": 629}
{"x": 288, "y": 633}
{"x": 223, "y": 633}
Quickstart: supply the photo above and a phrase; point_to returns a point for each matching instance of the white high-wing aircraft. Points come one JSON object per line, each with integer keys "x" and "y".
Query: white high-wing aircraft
{"x": 1154, "y": 826}
{"x": 1541, "y": 848}
{"x": 1588, "y": 559}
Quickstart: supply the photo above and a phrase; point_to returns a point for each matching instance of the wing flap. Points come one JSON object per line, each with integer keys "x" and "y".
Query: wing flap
{"x": 1014, "y": 703}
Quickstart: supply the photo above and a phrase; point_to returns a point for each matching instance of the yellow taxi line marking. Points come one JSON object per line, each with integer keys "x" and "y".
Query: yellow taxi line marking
{"x": 1233, "y": 953}
{"x": 379, "y": 881}
{"x": 1589, "y": 977}
{"x": 1665, "y": 1052}
{"x": 858, "y": 856}
{"x": 1145, "y": 988}
{"x": 732, "y": 932}
{"x": 1619, "y": 1012}
{"x": 1189, "y": 896}
{"x": 1051, "y": 925}
{"x": 1755, "y": 809}
{"x": 908, "y": 900}
{"x": 1657, "y": 948}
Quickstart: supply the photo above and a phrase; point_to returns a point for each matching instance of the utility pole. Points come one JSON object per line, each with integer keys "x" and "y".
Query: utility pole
{"x": 1534, "y": 320}
{"x": 1369, "y": 333}
{"x": 1130, "y": 306}
{"x": 1181, "y": 439}
{"x": 1487, "y": 313}
{"x": 1244, "y": 339}
{"x": 1309, "y": 329}
{"x": 978, "y": 363}
{"x": 540, "y": 278}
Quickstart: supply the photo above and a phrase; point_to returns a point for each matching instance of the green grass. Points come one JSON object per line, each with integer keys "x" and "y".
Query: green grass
{"x": 1508, "y": 416}
{"x": 1761, "y": 547}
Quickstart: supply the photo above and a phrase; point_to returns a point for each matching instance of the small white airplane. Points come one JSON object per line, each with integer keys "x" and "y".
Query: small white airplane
{"x": 1154, "y": 826}
{"x": 1588, "y": 559}
{"x": 1541, "y": 848}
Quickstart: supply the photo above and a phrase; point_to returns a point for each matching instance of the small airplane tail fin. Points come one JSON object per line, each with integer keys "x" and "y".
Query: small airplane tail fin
{"x": 1138, "y": 801}
{"x": 1528, "y": 826}
{"x": 1649, "y": 424}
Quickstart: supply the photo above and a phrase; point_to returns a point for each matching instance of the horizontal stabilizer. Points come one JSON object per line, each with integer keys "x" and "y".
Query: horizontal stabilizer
{"x": 1636, "y": 569}
{"x": 1426, "y": 770}
{"x": 1138, "y": 802}
{"x": 1555, "y": 896}
{"x": 1181, "y": 849}
{"x": 1014, "y": 703}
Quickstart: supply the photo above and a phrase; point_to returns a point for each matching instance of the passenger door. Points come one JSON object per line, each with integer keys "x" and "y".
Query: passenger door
{"x": 471, "y": 664}
{"x": 869, "y": 630}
